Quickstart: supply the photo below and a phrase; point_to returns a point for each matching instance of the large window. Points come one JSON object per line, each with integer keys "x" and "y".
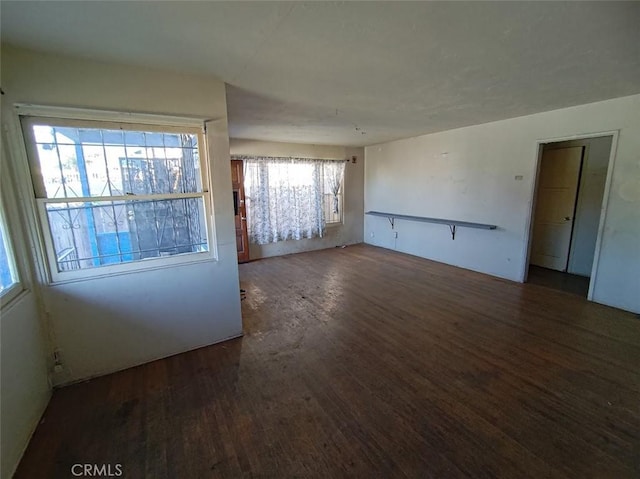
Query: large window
{"x": 8, "y": 273}
{"x": 292, "y": 198}
{"x": 112, "y": 193}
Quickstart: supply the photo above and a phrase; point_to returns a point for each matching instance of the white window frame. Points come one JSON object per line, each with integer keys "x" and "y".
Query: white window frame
{"x": 9, "y": 294}
{"x": 29, "y": 114}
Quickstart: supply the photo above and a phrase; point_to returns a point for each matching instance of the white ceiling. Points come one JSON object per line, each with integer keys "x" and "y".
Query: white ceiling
{"x": 356, "y": 73}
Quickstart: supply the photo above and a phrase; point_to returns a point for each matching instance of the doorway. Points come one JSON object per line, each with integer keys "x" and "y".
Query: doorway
{"x": 240, "y": 210}
{"x": 570, "y": 191}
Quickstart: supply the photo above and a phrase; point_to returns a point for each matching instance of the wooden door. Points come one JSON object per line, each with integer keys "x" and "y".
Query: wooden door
{"x": 240, "y": 210}
{"x": 555, "y": 207}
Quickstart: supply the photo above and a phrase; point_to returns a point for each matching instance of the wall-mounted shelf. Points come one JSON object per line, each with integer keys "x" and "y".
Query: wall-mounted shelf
{"x": 452, "y": 224}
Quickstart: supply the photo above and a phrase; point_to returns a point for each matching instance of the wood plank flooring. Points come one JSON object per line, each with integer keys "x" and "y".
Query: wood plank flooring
{"x": 361, "y": 362}
{"x": 571, "y": 283}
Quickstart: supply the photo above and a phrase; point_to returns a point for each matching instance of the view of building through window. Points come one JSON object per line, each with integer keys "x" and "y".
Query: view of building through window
{"x": 115, "y": 196}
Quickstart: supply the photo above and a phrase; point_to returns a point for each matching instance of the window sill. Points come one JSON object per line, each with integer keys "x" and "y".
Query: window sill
{"x": 137, "y": 267}
{"x": 12, "y": 296}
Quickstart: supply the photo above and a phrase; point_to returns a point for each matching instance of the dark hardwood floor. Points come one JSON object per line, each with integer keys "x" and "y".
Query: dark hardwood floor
{"x": 361, "y": 362}
{"x": 570, "y": 283}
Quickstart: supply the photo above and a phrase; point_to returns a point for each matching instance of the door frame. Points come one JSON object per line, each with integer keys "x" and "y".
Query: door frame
{"x": 539, "y": 147}
{"x": 241, "y": 208}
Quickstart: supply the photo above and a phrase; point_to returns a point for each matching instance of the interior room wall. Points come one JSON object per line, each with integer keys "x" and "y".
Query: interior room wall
{"x": 25, "y": 385}
{"x": 109, "y": 323}
{"x": 350, "y": 231}
{"x": 23, "y": 347}
{"x": 589, "y": 202}
{"x": 486, "y": 174}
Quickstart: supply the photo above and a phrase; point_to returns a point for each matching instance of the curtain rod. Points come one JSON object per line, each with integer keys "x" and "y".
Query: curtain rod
{"x": 261, "y": 157}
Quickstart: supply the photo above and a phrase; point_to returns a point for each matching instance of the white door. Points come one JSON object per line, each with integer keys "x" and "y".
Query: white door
{"x": 555, "y": 207}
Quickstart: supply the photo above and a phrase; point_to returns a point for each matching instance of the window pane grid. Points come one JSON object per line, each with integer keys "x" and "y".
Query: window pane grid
{"x": 65, "y": 256}
{"x": 100, "y": 233}
{"x": 131, "y": 194}
{"x": 77, "y": 162}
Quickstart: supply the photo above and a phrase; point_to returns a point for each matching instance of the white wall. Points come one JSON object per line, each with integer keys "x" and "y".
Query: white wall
{"x": 23, "y": 347}
{"x": 25, "y": 386}
{"x": 350, "y": 231}
{"x": 106, "y": 324}
{"x": 469, "y": 174}
{"x": 590, "y": 193}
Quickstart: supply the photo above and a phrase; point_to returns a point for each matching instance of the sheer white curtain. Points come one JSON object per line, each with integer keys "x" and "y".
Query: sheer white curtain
{"x": 285, "y": 197}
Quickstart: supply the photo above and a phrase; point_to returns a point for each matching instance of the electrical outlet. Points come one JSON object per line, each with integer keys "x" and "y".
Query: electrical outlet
{"x": 57, "y": 357}
{"x": 58, "y": 365}
{"x": 396, "y": 234}
{"x": 373, "y": 235}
